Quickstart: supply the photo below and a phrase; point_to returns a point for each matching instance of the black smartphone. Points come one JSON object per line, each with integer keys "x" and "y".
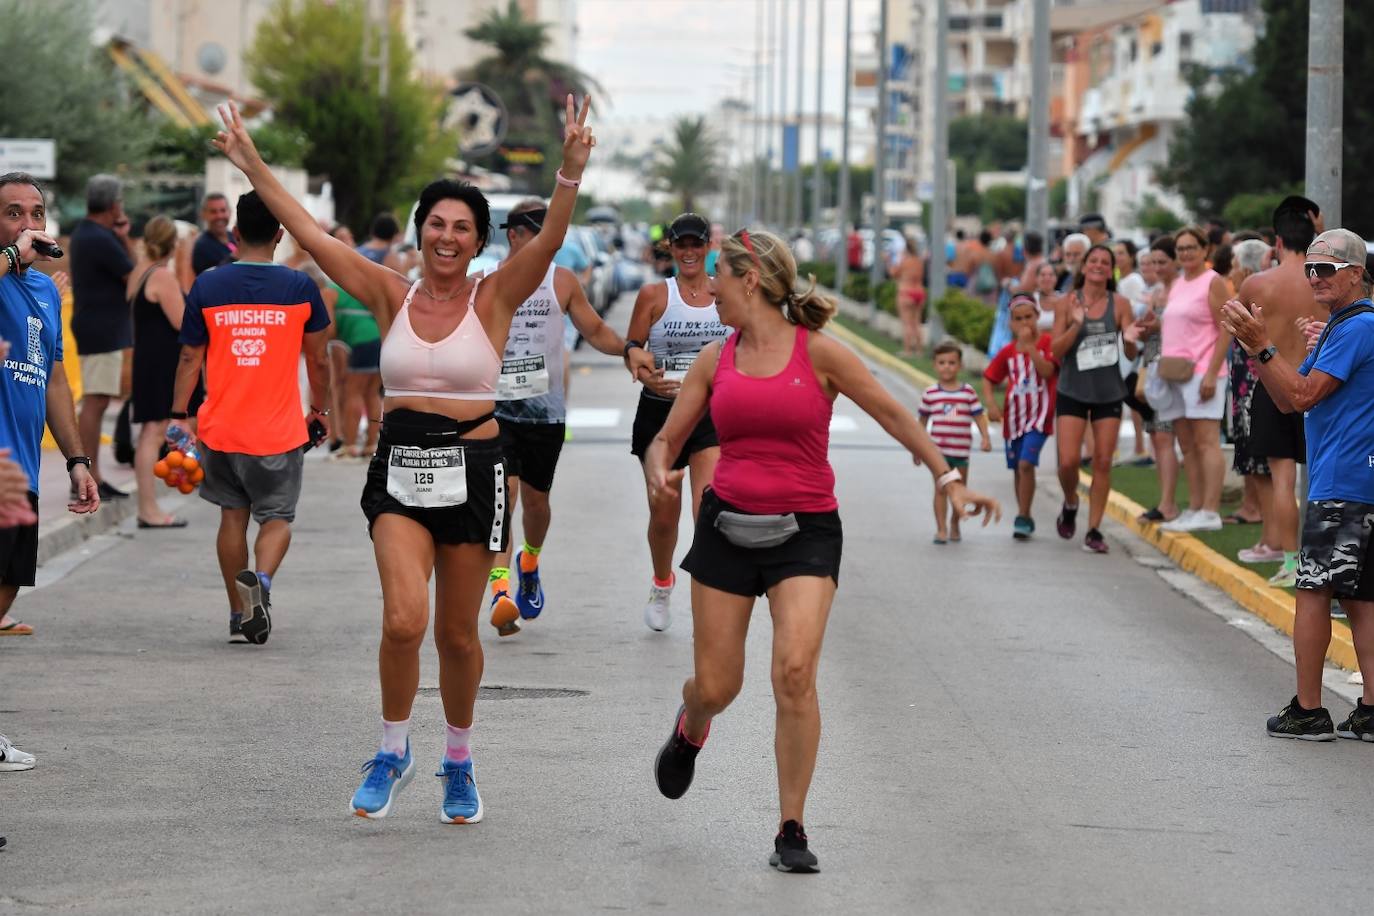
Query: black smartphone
{"x": 317, "y": 433}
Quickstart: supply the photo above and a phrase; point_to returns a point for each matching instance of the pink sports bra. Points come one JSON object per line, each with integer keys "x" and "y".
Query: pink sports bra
{"x": 463, "y": 366}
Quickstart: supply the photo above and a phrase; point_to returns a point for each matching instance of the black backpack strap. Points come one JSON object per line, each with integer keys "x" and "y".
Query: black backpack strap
{"x": 1365, "y": 308}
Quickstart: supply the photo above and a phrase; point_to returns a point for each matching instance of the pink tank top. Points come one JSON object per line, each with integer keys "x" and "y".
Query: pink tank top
{"x": 463, "y": 366}
{"x": 1186, "y": 328}
{"x": 774, "y": 436}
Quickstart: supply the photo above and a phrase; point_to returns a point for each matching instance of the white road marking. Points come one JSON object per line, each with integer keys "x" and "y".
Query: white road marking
{"x": 594, "y": 417}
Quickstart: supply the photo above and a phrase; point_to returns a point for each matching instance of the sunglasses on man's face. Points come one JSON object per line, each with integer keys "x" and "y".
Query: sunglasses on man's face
{"x": 1323, "y": 270}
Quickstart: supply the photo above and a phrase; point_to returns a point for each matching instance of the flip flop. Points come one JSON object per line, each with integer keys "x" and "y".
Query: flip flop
{"x": 1151, "y": 515}
{"x": 939, "y": 541}
{"x": 1235, "y": 518}
{"x": 17, "y": 628}
{"x": 954, "y": 538}
{"x": 174, "y": 523}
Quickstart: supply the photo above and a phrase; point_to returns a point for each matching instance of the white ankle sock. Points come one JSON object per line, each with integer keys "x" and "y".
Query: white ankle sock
{"x": 456, "y": 750}
{"x": 394, "y": 736}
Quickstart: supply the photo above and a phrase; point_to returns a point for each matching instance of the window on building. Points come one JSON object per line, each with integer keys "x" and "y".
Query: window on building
{"x": 1157, "y": 49}
{"x": 993, "y": 21}
{"x": 959, "y": 23}
{"x": 1185, "y": 44}
{"x": 1135, "y": 50}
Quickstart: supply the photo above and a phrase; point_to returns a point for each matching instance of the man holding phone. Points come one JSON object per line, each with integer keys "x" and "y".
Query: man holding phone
{"x": 248, "y": 323}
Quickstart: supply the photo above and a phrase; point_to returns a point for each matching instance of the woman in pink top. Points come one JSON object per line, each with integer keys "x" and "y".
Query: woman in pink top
{"x": 768, "y": 524}
{"x": 1191, "y": 333}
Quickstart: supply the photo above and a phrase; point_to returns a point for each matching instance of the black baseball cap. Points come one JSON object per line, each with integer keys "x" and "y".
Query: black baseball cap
{"x": 530, "y": 219}
{"x": 689, "y": 225}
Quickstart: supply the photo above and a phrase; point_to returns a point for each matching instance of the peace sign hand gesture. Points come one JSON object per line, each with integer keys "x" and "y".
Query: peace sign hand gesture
{"x": 234, "y": 141}
{"x": 577, "y": 139}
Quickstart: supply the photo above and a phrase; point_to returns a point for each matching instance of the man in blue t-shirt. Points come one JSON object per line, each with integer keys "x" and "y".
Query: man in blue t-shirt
{"x": 1334, "y": 387}
{"x": 33, "y": 387}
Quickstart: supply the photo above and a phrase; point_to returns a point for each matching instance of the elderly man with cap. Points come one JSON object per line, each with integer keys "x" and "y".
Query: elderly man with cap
{"x": 531, "y": 407}
{"x": 1334, "y": 387}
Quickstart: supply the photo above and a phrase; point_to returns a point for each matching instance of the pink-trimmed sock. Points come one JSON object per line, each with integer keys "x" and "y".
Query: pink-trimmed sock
{"x": 665, "y": 583}
{"x": 394, "y": 736}
{"x": 456, "y": 749}
{"x": 682, "y": 732}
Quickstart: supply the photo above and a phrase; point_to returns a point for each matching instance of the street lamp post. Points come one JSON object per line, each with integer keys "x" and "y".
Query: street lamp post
{"x": 879, "y": 273}
{"x": 1325, "y": 106}
{"x": 797, "y": 199}
{"x": 842, "y": 246}
{"x": 817, "y": 173}
{"x": 940, "y": 154}
{"x": 1038, "y": 141}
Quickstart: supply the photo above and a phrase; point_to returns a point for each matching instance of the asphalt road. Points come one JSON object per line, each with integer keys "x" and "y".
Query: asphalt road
{"x": 1007, "y": 728}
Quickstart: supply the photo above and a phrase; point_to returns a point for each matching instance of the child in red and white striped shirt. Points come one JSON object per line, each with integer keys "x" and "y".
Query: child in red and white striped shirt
{"x": 949, "y": 410}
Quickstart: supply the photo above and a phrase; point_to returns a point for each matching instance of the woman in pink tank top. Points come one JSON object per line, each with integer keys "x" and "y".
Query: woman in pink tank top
{"x": 435, "y": 499}
{"x": 769, "y": 522}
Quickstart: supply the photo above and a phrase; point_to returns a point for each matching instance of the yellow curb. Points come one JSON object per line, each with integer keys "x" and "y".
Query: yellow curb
{"x": 1275, "y": 606}
{"x": 878, "y": 354}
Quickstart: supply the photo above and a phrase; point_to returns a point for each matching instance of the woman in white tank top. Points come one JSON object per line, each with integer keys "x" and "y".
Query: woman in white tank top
{"x": 674, "y": 319}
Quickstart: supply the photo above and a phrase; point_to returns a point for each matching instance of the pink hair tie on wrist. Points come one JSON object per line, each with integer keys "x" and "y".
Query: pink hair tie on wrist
{"x": 564, "y": 180}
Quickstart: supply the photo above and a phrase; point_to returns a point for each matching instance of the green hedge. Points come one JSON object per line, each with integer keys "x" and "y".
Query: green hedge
{"x": 966, "y": 318}
{"x": 824, "y": 272}
{"x": 856, "y": 285}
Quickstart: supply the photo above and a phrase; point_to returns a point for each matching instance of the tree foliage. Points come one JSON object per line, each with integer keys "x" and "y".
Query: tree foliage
{"x": 1154, "y": 217}
{"x": 532, "y": 86}
{"x": 184, "y": 150}
{"x": 983, "y": 143}
{"x": 1003, "y": 202}
{"x": 689, "y": 165}
{"x": 307, "y": 59}
{"x": 61, "y": 87}
{"x": 1247, "y": 133}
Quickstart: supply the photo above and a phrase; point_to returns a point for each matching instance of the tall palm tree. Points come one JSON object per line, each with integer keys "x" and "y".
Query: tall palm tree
{"x": 532, "y": 86}
{"x": 688, "y": 167}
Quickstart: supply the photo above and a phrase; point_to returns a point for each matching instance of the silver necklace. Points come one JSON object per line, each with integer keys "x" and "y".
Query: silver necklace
{"x": 430, "y": 293}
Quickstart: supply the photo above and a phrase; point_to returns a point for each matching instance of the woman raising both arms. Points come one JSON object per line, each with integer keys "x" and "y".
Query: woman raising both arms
{"x": 435, "y": 497}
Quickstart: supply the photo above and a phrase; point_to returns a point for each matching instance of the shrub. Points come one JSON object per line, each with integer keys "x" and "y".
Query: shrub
{"x": 856, "y": 287}
{"x": 966, "y": 318}
{"x": 887, "y": 296}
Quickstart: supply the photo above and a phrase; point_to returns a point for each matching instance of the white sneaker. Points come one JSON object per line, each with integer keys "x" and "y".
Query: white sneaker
{"x": 1180, "y": 523}
{"x": 12, "y": 758}
{"x": 657, "y": 613}
{"x": 1205, "y": 521}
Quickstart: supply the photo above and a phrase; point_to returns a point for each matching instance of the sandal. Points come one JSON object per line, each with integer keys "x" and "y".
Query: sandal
{"x": 174, "y": 523}
{"x": 1235, "y": 518}
{"x": 1152, "y": 515}
{"x": 16, "y": 628}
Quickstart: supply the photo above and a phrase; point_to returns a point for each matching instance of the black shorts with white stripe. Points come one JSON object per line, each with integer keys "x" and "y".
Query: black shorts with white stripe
{"x": 483, "y": 517}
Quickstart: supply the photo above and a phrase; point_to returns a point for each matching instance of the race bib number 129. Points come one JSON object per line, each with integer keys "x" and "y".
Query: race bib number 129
{"x": 427, "y": 478}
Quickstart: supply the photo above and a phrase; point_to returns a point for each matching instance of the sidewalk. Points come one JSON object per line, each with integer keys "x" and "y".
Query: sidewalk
{"x": 59, "y": 529}
{"x": 1272, "y": 605}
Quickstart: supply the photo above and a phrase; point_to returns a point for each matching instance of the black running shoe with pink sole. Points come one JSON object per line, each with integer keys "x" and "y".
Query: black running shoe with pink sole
{"x": 790, "y": 853}
{"x": 677, "y": 761}
{"x": 1067, "y": 522}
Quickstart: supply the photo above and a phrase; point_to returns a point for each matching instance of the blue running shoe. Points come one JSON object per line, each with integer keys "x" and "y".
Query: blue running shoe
{"x": 386, "y": 776}
{"x": 529, "y": 598}
{"x": 462, "y": 803}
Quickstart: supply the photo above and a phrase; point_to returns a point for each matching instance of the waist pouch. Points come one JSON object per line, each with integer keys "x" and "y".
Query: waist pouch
{"x": 755, "y": 531}
{"x": 1176, "y": 368}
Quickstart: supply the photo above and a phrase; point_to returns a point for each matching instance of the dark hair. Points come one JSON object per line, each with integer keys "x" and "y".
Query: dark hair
{"x": 213, "y": 195}
{"x": 384, "y": 227}
{"x": 1034, "y": 243}
{"x": 255, "y": 223}
{"x": 1165, "y": 243}
{"x": 985, "y": 237}
{"x": 1245, "y": 235}
{"x": 1216, "y": 233}
{"x": 1082, "y": 277}
{"x": 1295, "y": 227}
{"x": 947, "y": 346}
{"x": 1222, "y": 259}
{"x": 21, "y": 178}
{"x": 1298, "y": 202}
{"x": 448, "y": 189}
{"x": 959, "y": 234}
{"x": 1130, "y": 247}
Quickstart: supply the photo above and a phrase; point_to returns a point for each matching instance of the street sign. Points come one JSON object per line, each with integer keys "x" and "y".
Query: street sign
{"x": 37, "y": 157}
{"x": 479, "y": 116}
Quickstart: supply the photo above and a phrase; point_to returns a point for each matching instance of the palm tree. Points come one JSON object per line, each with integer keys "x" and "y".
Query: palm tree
{"x": 532, "y": 86}
{"x": 689, "y": 166}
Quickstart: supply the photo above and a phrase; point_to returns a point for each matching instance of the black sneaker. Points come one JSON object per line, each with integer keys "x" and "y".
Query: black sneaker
{"x": 1303, "y": 724}
{"x": 677, "y": 760}
{"x": 1359, "y": 725}
{"x": 256, "y": 625}
{"x": 790, "y": 853}
{"x": 1094, "y": 542}
{"x": 108, "y": 492}
{"x": 1067, "y": 522}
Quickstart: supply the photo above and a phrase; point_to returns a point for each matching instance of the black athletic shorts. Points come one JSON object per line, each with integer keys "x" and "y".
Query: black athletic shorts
{"x": 1066, "y": 406}
{"x": 1273, "y": 433}
{"x": 713, "y": 561}
{"x": 19, "y": 551}
{"x": 532, "y": 450}
{"x": 1336, "y": 547}
{"x": 649, "y": 419}
{"x": 483, "y": 519}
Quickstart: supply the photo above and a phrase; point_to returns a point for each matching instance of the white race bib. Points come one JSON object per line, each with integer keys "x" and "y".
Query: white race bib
{"x": 1097, "y": 351}
{"x": 675, "y": 367}
{"x": 427, "y": 478}
{"x": 522, "y": 378}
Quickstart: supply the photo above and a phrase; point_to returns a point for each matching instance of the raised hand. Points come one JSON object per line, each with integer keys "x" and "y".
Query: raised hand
{"x": 577, "y": 139}
{"x": 234, "y": 141}
{"x": 1245, "y": 325}
{"x": 1311, "y": 329}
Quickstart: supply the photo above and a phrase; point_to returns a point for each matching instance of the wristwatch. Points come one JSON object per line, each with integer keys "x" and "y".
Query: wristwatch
{"x": 1267, "y": 354}
{"x": 178, "y": 414}
{"x": 631, "y": 345}
{"x": 74, "y": 460}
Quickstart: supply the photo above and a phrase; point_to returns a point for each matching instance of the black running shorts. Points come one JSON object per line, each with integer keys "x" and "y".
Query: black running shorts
{"x": 532, "y": 450}
{"x": 713, "y": 561}
{"x": 1067, "y": 406}
{"x": 1336, "y": 545}
{"x": 19, "y": 551}
{"x": 483, "y": 519}
{"x": 1273, "y": 433}
{"x": 649, "y": 419}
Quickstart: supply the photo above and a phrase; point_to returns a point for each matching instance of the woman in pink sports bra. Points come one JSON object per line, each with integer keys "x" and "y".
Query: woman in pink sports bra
{"x": 769, "y": 522}
{"x": 435, "y": 497}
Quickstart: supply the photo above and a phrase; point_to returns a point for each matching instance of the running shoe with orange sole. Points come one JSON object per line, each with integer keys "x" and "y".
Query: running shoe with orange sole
{"x": 505, "y": 616}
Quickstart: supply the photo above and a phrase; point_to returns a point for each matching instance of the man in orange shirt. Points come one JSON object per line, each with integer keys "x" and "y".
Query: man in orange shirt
{"x": 248, "y": 323}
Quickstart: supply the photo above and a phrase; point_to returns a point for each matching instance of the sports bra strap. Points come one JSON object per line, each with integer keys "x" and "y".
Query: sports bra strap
{"x": 410, "y": 294}
{"x": 472, "y": 297}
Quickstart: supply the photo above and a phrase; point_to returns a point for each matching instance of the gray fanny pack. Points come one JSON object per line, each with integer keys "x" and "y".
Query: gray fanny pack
{"x": 755, "y": 531}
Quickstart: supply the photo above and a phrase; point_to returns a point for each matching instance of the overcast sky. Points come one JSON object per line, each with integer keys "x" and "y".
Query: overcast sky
{"x": 665, "y": 57}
